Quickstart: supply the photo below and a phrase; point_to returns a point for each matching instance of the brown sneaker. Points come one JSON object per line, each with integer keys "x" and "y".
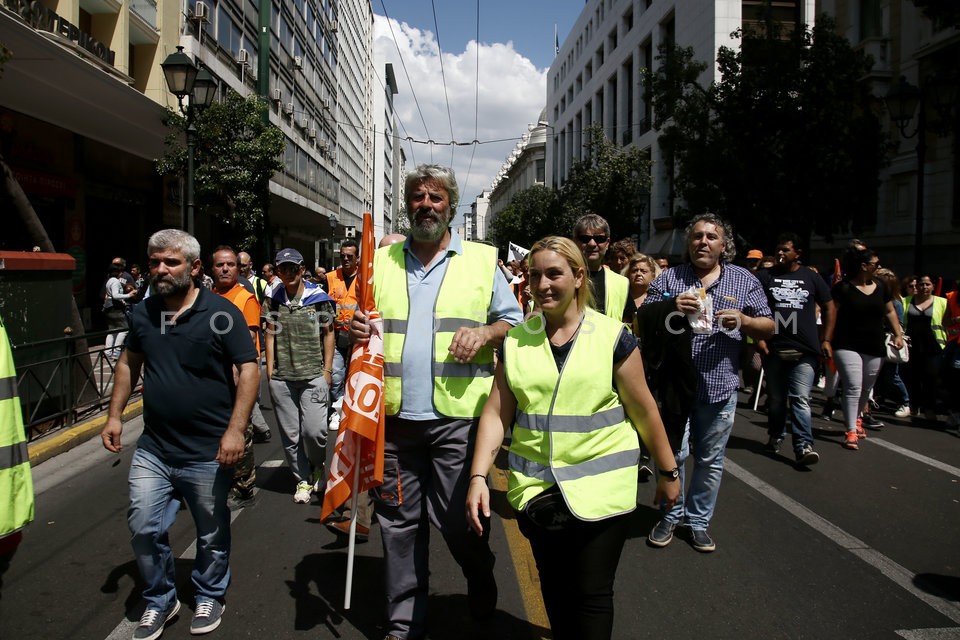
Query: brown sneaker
{"x": 342, "y": 528}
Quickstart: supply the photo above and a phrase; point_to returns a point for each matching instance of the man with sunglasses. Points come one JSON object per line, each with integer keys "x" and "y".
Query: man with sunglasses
{"x": 611, "y": 290}
{"x": 342, "y": 287}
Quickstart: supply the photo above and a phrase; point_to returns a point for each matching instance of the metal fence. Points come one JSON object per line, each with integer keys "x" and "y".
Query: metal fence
{"x": 62, "y": 381}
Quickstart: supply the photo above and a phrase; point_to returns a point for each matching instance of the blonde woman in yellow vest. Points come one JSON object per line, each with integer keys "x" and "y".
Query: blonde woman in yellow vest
{"x": 570, "y": 383}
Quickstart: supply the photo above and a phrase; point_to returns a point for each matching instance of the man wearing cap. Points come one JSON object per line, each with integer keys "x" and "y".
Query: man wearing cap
{"x": 444, "y": 307}
{"x": 300, "y": 344}
{"x": 754, "y": 256}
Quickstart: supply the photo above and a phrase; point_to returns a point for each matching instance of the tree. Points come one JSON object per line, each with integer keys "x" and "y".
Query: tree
{"x": 532, "y": 214}
{"x": 611, "y": 181}
{"x": 237, "y": 152}
{"x": 787, "y": 139}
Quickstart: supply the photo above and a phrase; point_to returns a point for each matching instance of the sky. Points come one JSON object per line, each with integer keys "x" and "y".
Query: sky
{"x": 494, "y": 91}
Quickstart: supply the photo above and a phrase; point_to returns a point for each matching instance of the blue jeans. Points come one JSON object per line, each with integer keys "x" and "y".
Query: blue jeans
{"x": 708, "y": 430}
{"x": 154, "y": 486}
{"x": 788, "y": 390}
{"x": 339, "y": 376}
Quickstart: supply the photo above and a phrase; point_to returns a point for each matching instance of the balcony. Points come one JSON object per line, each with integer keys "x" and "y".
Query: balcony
{"x": 146, "y": 10}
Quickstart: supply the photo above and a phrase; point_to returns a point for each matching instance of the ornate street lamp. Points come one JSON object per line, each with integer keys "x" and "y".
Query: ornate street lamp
{"x": 902, "y": 101}
{"x": 185, "y": 79}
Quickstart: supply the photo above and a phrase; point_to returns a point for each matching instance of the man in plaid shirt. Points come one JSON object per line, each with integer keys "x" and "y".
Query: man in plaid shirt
{"x": 736, "y": 306}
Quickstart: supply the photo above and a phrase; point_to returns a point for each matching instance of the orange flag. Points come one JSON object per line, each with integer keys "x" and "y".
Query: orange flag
{"x": 837, "y": 272}
{"x": 360, "y": 438}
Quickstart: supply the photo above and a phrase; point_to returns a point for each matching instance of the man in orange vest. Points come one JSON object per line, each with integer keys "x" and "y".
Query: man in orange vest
{"x": 342, "y": 287}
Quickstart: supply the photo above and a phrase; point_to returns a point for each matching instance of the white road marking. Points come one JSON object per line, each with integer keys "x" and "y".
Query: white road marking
{"x": 124, "y": 630}
{"x": 895, "y": 572}
{"x": 936, "y": 464}
{"x": 930, "y": 634}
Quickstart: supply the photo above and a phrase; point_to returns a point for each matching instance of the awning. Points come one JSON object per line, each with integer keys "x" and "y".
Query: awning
{"x": 669, "y": 242}
{"x": 51, "y": 79}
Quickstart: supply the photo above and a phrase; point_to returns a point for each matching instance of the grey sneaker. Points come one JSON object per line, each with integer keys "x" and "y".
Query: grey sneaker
{"x": 207, "y": 616}
{"x": 773, "y": 444}
{"x": 153, "y": 621}
{"x": 701, "y": 540}
{"x": 662, "y": 534}
{"x": 806, "y": 455}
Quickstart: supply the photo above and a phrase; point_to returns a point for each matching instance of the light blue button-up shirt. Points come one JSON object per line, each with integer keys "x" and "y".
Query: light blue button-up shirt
{"x": 423, "y": 287}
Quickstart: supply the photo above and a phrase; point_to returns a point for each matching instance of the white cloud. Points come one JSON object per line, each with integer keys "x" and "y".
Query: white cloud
{"x": 510, "y": 93}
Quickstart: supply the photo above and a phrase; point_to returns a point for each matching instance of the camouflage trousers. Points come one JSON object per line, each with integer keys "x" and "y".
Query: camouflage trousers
{"x": 245, "y": 472}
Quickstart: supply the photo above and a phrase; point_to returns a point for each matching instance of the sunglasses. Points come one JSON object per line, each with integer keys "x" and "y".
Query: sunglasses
{"x": 585, "y": 238}
{"x": 346, "y": 256}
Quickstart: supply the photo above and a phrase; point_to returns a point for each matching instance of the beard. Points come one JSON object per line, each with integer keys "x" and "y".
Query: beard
{"x": 427, "y": 226}
{"x": 169, "y": 285}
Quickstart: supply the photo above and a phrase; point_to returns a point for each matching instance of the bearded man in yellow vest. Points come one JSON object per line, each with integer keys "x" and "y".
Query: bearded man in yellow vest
{"x": 611, "y": 291}
{"x": 16, "y": 483}
{"x": 446, "y": 296}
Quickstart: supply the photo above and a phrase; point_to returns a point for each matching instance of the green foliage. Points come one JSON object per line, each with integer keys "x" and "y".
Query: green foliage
{"x": 237, "y": 152}
{"x": 611, "y": 181}
{"x": 531, "y": 215}
{"x": 788, "y": 140}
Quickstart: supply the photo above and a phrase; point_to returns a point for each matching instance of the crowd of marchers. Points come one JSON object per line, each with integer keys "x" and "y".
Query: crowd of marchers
{"x": 598, "y": 364}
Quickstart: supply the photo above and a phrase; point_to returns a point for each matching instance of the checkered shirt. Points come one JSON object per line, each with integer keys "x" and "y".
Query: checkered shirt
{"x": 716, "y": 355}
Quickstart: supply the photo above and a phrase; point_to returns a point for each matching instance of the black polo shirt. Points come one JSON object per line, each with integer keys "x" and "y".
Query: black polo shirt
{"x": 188, "y": 374}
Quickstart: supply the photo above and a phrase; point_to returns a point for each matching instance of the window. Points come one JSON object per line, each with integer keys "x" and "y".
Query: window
{"x": 871, "y": 22}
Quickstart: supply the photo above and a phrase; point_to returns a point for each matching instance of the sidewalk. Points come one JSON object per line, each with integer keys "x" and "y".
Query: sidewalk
{"x": 67, "y": 438}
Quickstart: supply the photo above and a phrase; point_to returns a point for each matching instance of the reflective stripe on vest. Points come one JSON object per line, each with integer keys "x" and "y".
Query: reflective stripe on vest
{"x": 463, "y": 300}
{"x": 345, "y": 297}
{"x": 16, "y": 481}
{"x": 570, "y": 428}
{"x": 616, "y": 288}
{"x": 936, "y": 321}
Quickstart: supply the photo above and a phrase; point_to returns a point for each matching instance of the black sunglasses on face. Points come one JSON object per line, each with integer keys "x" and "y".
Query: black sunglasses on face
{"x": 347, "y": 256}
{"x": 585, "y": 238}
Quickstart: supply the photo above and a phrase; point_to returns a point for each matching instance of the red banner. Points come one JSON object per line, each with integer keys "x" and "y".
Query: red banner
{"x": 360, "y": 438}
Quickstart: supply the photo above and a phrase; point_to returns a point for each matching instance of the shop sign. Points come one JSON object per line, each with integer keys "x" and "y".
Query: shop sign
{"x": 40, "y": 17}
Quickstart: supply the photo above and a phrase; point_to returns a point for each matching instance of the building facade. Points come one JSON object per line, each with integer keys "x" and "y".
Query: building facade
{"x": 82, "y": 105}
{"x": 385, "y": 152}
{"x": 523, "y": 168}
{"x": 925, "y": 50}
{"x": 595, "y": 79}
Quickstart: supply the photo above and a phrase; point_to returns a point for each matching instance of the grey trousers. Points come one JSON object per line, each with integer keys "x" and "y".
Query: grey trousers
{"x": 301, "y": 410}
{"x": 426, "y": 469}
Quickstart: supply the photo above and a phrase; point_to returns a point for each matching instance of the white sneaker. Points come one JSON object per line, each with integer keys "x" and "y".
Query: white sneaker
{"x": 302, "y": 496}
{"x": 903, "y": 411}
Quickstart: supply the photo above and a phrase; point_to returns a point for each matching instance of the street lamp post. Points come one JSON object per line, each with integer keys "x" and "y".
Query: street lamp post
{"x": 185, "y": 79}
{"x": 903, "y": 100}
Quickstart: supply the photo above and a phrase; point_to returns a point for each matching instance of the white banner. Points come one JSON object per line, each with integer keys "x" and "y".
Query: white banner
{"x": 516, "y": 252}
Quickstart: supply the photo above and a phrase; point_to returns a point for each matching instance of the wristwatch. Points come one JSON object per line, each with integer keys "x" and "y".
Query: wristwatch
{"x": 671, "y": 474}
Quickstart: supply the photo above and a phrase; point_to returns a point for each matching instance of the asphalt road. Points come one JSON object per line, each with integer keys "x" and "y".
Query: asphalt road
{"x": 862, "y": 545}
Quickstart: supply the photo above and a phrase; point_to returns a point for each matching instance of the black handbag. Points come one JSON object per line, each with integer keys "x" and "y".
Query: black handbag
{"x": 549, "y": 510}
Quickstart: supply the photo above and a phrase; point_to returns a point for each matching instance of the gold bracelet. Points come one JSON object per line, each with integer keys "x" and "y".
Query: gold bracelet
{"x": 330, "y": 371}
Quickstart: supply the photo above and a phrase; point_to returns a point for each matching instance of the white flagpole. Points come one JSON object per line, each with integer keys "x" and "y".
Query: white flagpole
{"x": 351, "y": 546}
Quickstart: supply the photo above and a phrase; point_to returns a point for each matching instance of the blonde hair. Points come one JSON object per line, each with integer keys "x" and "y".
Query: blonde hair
{"x": 567, "y": 250}
{"x": 637, "y": 258}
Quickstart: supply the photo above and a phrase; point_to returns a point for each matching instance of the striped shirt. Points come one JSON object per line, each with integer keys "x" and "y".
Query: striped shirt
{"x": 716, "y": 355}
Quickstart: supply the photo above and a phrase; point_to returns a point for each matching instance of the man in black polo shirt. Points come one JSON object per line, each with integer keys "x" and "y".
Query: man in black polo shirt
{"x": 201, "y": 363}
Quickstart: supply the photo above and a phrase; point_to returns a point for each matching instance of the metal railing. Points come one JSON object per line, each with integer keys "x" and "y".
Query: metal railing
{"x": 61, "y": 381}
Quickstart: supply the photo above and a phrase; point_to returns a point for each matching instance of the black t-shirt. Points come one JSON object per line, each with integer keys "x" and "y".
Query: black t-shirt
{"x": 793, "y": 298}
{"x": 860, "y": 318}
{"x": 188, "y": 374}
{"x": 599, "y": 287}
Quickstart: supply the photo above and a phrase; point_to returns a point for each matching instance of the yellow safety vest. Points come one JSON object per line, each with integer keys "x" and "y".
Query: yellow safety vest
{"x": 16, "y": 483}
{"x": 616, "y": 288}
{"x": 936, "y": 322}
{"x": 571, "y": 428}
{"x": 459, "y": 390}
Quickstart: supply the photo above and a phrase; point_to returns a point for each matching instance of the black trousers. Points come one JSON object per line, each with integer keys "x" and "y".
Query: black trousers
{"x": 577, "y": 567}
